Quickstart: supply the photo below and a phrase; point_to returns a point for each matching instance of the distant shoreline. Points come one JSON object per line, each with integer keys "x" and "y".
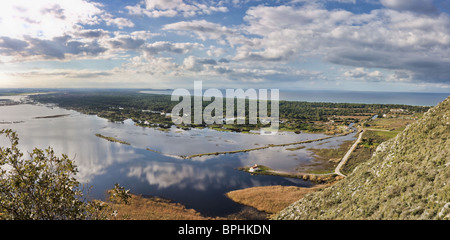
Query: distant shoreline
{"x": 330, "y": 96}
{"x": 343, "y": 96}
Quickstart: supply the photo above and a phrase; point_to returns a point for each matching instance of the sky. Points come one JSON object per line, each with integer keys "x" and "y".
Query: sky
{"x": 360, "y": 45}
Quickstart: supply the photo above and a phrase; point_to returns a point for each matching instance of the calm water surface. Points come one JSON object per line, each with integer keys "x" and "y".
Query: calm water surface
{"x": 198, "y": 183}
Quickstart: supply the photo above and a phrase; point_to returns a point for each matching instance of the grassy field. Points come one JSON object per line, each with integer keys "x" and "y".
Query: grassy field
{"x": 271, "y": 199}
{"x": 386, "y": 135}
{"x": 154, "y": 208}
{"x": 325, "y": 159}
{"x": 332, "y": 154}
{"x": 390, "y": 124}
{"x": 377, "y": 131}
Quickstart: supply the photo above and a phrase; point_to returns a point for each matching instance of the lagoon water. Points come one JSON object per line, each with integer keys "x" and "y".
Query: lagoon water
{"x": 199, "y": 183}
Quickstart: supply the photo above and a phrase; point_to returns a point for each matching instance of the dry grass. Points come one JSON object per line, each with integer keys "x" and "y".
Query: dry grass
{"x": 271, "y": 199}
{"x": 394, "y": 124}
{"x": 154, "y": 208}
{"x": 359, "y": 117}
{"x": 332, "y": 153}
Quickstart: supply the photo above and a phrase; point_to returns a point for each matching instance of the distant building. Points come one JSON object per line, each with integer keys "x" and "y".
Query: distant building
{"x": 151, "y": 111}
{"x": 254, "y": 168}
{"x": 397, "y": 110}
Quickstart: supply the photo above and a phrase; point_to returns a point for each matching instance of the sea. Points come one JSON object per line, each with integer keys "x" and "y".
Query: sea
{"x": 335, "y": 96}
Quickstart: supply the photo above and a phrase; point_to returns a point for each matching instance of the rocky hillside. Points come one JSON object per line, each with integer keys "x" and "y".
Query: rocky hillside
{"x": 408, "y": 177}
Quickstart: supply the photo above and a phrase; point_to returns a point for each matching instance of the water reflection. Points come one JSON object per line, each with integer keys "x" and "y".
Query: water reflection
{"x": 276, "y": 158}
{"x": 179, "y": 142}
{"x": 198, "y": 183}
{"x": 179, "y": 175}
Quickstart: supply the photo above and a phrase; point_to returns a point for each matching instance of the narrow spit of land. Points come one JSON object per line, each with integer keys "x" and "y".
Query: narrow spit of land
{"x": 267, "y": 146}
{"x": 312, "y": 177}
{"x": 112, "y": 139}
{"x": 53, "y": 116}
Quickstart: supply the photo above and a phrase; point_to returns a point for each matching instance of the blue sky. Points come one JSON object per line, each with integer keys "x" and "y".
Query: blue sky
{"x": 365, "y": 45}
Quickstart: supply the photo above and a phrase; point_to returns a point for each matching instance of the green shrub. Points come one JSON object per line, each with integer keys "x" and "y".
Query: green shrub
{"x": 43, "y": 186}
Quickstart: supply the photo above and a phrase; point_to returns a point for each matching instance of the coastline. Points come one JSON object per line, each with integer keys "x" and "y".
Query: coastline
{"x": 316, "y": 178}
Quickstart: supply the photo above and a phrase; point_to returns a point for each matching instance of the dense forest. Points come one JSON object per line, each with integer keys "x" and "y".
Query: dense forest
{"x": 154, "y": 110}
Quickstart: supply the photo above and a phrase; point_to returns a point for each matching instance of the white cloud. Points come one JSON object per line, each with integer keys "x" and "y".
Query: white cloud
{"x": 47, "y": 18}
{"x": 384, "y": 38}
{"x": 139, "y": 10}
{"x": 381, "y": 39}
{"x": 152, "y": 65}
{"x": 205, "y": 30}
{"x": 119, "y": 22}
{"x": 215, "y": 51}
{"x": 420, "y": 6}
{"x": 54, "y": 29}
{"x": 143, "y": 34}
{"x": 172, "y": 8}
{"x": 403, "y": 41}
{"x": 363, "y": 74}
{"x": 90, "y": 33}
{"x": 178, "y": 48}
{"x": 196, "y": 64}
{"x": 190, "y": 63}
{"x": 287, "y": 31}
{"x": 400, "y": 76}
{"x": 59, "y": 48}
{"x": 67, "y": 73}
{"x": 125, "y": 42}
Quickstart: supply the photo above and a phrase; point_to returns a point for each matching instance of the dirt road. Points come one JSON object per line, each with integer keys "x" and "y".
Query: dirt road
{"x": 347, "y": 155}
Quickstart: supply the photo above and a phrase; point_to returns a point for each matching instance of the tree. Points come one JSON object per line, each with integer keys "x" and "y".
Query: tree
{"x": 42, "y": 187}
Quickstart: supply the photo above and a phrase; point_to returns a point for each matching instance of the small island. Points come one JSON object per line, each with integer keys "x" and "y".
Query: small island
{"x": 112, "y": 139}
{"x": 316, "y": 178}
{"x": 52, "y": 116}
